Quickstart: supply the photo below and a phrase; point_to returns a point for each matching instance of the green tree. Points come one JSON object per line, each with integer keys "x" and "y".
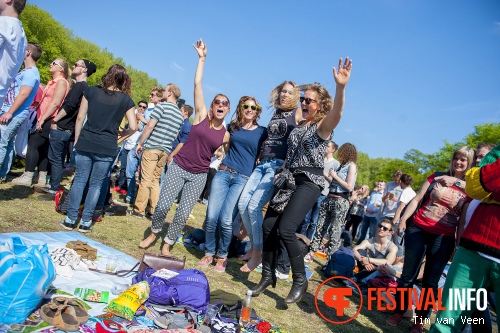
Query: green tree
{"x": 485, "y": 133}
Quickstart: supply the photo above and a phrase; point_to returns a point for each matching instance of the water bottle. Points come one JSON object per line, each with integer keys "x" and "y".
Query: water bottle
{"x": 246, "y": 310}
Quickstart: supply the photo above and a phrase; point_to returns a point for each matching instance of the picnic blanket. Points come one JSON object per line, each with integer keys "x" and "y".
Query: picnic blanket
{"x": 81, "y": 279}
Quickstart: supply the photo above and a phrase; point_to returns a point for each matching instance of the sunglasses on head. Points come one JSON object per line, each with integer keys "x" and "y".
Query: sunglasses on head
{"x": 307, "y": 100}
{"x": 219, "y": 102}
{"x": 385, "y": 228}
{"x": 246, "y": 106}
{"x": 55, "y": 63}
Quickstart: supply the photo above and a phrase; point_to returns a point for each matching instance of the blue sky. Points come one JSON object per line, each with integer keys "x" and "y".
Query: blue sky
{"x": 423, "y": 71}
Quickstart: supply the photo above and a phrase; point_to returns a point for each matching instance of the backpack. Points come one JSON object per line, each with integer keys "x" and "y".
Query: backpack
{"x": 342, "y": 263}
{"x": 189, "y": 288}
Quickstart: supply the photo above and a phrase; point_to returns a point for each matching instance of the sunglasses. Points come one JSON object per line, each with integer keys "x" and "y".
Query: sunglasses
{"x": 157, "y": 95}
{"x": 219, "y": 102}
{"x": 385, "y": 228}
{"x": 55, "y": 63}
{"x": 142, "y": 106}
{"x": 246, "y": 106}
{"x": 307, "y": 100}
{"x": 79, "y": 65}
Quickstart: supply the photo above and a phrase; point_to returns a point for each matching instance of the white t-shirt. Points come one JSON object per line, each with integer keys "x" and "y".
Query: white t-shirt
{"x": 12, "y": 51}
{"x": 407, "y": 195}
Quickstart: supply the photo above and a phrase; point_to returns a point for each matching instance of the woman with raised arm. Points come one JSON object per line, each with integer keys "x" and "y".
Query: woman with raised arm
{"x": 304, "y": 172}
{"x": 95, "y": 141}
{"x": 189, "y": 168}
{"x": 246, "y": 139}
{"x": 259, "y": 188}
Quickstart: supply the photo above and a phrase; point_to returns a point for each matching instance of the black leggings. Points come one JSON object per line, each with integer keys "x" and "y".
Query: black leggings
{"x": 37, "y": 153}
{"x": 302, "y": 200}
{"x": 354, "y": 221}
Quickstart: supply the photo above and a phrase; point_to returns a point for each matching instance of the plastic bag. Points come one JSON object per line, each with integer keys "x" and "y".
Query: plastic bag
{"x": 129, "y": 301}
{"x": 26, "y": 273}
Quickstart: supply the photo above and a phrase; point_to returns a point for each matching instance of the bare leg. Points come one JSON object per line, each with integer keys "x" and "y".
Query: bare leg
{"x": 247, "y": 255}
{"x": 165, "y": 250}
{"x": 148, "y": 241}
{"x": 254, "y": 261}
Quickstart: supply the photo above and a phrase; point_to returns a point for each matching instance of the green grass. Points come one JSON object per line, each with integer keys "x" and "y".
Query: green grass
{"x": 21, "y": 211}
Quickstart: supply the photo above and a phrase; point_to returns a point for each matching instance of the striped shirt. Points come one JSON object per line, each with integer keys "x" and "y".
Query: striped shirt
{"x": 169, "y": 119}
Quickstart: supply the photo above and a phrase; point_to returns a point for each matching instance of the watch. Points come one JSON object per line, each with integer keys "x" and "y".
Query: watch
{"x": 457, "y": 183}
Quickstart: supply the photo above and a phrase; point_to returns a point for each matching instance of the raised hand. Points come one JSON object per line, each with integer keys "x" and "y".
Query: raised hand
{"x": 201, "y": 48}
{"x": 344, "y": 73}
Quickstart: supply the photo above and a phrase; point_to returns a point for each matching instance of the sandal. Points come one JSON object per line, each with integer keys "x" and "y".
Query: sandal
{"x": 81, "y": 313}
{"x": 206, "y": 261}
{"x": 60, "y": 316}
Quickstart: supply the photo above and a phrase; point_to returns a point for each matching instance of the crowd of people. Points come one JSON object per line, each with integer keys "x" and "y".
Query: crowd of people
{"x": 234, "y": 169}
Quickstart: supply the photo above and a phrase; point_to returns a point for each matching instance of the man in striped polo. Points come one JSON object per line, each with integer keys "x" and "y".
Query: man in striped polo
{"x": 156, "y": 144}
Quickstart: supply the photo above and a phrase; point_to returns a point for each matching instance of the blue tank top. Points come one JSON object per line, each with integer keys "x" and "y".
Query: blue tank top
{"x": 244, "y": 147}
{"x": 278, "y": 130}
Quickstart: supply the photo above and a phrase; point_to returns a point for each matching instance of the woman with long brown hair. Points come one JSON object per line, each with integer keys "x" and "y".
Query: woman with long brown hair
{"x": 246, "y": 138}
{"x": 104, "y": 107}
{"x": 304, "y": 173}
{"x": 38, "y": 142}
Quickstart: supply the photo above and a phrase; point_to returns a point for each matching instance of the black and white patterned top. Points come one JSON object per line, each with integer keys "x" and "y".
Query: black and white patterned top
{"x": 307, "y": 149}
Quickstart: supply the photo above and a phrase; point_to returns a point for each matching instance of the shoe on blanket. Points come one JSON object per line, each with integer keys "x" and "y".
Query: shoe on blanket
{"x": 81, "y": 313}
{"x": 60, "y": 316}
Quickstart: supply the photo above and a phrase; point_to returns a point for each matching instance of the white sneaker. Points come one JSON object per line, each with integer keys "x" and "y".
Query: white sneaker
{"x": 281, "y": 276}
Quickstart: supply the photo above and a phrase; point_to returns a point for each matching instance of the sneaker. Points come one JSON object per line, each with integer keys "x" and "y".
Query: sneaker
{"x": 121, "y": 202}
{"x": 281, "y": 276}
{"x": 97, "y": 217}
{"x": 149, "y": 216}
{"x": 206, "y": 261}
{"x": 135, "y": 214}
{"x": 67, "y": 225}
{"x": 85, "y": 228}
{"x": 309, "y": 257}
{"x": 26, "y": 179}
{"x": 3, "y": 180}
{"x": 49, "y": 196}
{"x": 220, "y": 266}
{"x": 395, "y": 319}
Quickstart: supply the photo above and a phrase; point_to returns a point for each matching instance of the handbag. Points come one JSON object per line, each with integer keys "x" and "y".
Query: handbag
{"x": 158, "y": 261}
{"x": 149, "y": 260}
{"x": 83, "y": 249}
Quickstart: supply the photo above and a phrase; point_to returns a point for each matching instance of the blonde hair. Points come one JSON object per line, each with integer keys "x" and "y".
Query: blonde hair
{"x": 174, "y": 90}
{"x": 466, "y": 151}
{"x": 274, "y": 96}
{"x": 238, "y": 120}
{"x": 64, "y": 66}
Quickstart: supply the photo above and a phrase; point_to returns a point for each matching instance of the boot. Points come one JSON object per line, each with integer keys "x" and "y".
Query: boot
{"x": 268, "y": 273}
{"x": 25, "y": 179}
{"x": 299, "y": 285}
{"x": 42, "y": 179}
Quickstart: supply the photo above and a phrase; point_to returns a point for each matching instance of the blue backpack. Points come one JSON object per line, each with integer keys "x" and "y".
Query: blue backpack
{"x": 341, "y": 263}
{"x": 190, "y": 288}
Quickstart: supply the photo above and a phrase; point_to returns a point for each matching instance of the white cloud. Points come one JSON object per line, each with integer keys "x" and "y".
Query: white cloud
{"x": 176, "y": 66}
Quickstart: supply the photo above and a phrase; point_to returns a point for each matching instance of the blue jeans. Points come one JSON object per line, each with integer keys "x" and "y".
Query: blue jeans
{"x": 368, "y": 222}
{"x": 437, "y": 250}
{"x": 308, "y": 226}
{"x": 132, "y": 165}
{"x": 257, "y": 192}
{"x": 222, "y": 209}
{"x": 7, "y": 134}
{"x": 57, "y": 149}
{"x": 93, "y": 168}
{"x": 122, "y": 174}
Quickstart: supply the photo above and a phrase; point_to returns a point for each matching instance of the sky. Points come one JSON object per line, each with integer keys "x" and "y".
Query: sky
{"x": 423, "y": 71}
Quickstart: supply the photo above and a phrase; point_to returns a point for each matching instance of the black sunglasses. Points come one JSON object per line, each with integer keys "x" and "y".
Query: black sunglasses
{"x": 143, "y": 106}
{"x": 385, "y": 228}
{"x": 307, "y": 100}
{"x": 246, "y": 106}
{"x": 218, "y": 102}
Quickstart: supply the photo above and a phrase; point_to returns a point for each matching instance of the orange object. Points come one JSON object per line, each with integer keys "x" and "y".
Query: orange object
{"x": 320, "y": 254}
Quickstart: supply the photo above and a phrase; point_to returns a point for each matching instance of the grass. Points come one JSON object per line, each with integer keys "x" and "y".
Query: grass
{"x": 21, "y": 211}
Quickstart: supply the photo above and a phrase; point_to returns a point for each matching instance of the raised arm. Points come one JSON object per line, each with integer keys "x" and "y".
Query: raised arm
{"x": 199, "y": 101}
{"x": 332, "y": 119}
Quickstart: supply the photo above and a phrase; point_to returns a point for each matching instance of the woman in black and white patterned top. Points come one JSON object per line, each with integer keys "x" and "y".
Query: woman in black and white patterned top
{"x": 306, "y": 148}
